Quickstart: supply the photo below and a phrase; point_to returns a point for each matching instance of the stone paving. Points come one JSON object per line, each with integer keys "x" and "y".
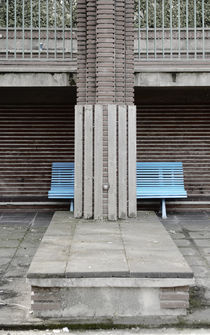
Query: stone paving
{"x": 20, "y": 235}
{"x": 191, "y": 233}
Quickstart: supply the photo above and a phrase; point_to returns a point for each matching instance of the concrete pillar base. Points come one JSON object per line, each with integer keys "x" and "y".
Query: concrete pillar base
{"x": 105, "y": 161}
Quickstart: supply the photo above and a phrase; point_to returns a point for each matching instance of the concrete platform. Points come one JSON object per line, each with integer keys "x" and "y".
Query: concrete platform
{"x": 118, "y": 272}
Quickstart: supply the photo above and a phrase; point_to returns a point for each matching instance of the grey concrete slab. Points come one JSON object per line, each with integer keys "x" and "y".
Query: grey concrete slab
{"x": 182, "y": 243}
{"x": 208, "y": 258}
{"x": 16, "y": 272}
{"x": 61, "y": 228}
{"x": 7, "y": 243}
{"x": 26, "y": 252}
{"x": 96, "y": 251}
{"x": 46, "y": 269}
{"x": 42, "y": 219}
{"x": 108, "y": 263}
{"x": 151, "y": 252}
{"x": 138, "y": 248}
{"x": 11, "y": 235}
{"x": 21, "y": 261}
{"x": 7, "y": 252}
{"x": 200, "y": 271}
{"x": 206, "y": 251}
{"x": 196, "y": 226}
{"x": 204, "y": 243}
{"x": 62, "y": 216}
{"x": 20, "y": 219}
{"x": 195, "y": 260}
{"x": 189, "y": 251}
{"x": 4, "y": 260}
{"x": 56, "y": 253}
{"x": 176, "y": 236}
{"x": 200, "y": 235}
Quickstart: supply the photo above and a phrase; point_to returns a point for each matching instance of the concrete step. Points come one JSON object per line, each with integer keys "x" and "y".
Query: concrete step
{"x": 97, "y": 271}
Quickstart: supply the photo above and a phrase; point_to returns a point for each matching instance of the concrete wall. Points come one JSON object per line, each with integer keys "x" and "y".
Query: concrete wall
{"x": 35, "y": 79}
{"x": 143, "y": 79}
{"x": 172, "y": 79}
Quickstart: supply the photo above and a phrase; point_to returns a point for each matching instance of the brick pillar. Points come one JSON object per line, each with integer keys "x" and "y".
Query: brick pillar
{"x": 105, "y": 117}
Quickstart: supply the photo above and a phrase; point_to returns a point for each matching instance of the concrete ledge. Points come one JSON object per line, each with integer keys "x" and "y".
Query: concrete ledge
{"x": 85, "y": 269}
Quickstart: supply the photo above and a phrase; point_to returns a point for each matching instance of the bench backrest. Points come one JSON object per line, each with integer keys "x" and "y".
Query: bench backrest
{"x": 159, "y": 174}
{"x": 62, "y": 174}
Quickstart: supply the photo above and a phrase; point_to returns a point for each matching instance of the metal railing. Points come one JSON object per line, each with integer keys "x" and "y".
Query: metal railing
{"x": 37, "y": 29}
{"x": 43, "y": 30}
{"x": 173, "y": 29}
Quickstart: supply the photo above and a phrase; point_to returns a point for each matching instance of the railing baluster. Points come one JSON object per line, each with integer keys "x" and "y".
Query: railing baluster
{"x": 195, "y": 29}
{"x": 187, "y": 28}
{"x": 39, "y": 27}
{"x": 31, "y": 29}
{"x": 71, "y": 27}
{"x": 171, "y": 28}
{"x": 47, "y": 27}
{"x": 139, "y": 28}
{"x": 155, "y": 29}
{"x": 63, "y": 29}
{"x": 55, "y": 30}
{"x": 163, "y": 28}
{"x": 7, "y": 29}
{"x": 15, "y": 28}
{"x": 147, "y": 29}
{"x": 179, "y": 29}
{"x": 23, "y": 28}
{"x": 203, "y": 27}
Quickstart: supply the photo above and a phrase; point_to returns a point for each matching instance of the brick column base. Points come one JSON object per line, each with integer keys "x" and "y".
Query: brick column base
{"x": 105, "y": 161}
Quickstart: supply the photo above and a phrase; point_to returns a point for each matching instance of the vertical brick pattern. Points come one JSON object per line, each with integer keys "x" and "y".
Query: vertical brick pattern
{"x": 105, "y": 52}
{"x": 120, "y": 76}
{"x": 91, "y": 53}
{"x": 106, "y": 69}
{"x": 129, "y": 52}
{"x": 81, "y": 52}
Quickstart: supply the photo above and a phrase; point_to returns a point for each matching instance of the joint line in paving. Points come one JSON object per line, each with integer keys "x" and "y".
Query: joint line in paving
{"x": 20, "y": 241}
{"x": 189, "y": 238}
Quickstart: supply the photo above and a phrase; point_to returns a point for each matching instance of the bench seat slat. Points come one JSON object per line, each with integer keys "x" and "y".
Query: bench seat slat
{"x": 160, "y": 180}
{"x": 62, "y": 181}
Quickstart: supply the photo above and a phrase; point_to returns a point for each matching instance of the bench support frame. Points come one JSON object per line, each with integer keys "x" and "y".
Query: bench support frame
{"x": 164, "y": 216}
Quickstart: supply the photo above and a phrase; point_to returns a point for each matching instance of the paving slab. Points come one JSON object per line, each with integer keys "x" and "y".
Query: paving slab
{"x": 18, "y": 303}
{"x": 138, "y": 248}
{"x": 202, "y": 242}
{"x": 7, "y": 252}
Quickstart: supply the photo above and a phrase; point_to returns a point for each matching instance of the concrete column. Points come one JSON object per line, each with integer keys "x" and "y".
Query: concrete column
{"x": 105, "y": 117}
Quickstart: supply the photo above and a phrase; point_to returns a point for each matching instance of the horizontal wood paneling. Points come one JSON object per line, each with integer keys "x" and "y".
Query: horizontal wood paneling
{"x": 33, "y": 136}
{"x": 177, "y": 132}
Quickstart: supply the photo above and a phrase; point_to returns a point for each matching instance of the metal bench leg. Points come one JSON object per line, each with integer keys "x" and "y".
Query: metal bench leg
{"x": 71, "y": 206}
{"x": 164, "y": 216}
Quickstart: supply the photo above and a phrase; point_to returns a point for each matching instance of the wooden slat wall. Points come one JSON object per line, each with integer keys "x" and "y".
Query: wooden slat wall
{"x": 33, "y": 136}
{"x": 179, "y": 131}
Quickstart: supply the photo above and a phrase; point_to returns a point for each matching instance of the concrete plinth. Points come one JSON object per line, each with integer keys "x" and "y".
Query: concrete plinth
{"x": 121, "y": 272}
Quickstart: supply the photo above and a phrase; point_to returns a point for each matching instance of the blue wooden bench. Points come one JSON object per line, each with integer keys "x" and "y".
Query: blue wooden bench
{"x": 62, "y": 182}
{"x": 160, "y": 180}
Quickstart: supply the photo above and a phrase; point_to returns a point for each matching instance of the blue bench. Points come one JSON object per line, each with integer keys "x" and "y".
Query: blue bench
{"x": 62, "y": 182}
{"x": 160, "y": 180}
